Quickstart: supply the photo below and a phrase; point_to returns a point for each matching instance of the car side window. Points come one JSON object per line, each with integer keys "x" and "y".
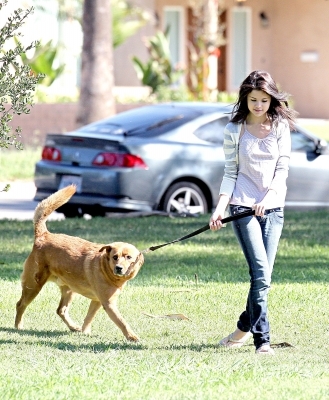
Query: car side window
{"x": 213, "y": 131}
{"x": 300, "y": 142}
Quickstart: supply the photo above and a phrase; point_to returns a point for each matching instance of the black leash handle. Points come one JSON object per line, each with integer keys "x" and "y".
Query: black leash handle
{"x": 247, "y": 213}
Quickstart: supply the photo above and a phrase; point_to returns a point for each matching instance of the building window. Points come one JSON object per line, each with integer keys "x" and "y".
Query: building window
{"x": 241, "y": 48}
{"x": 174, "y": 20}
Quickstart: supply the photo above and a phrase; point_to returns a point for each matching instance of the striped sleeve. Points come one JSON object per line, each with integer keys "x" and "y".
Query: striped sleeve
{"x": 282, "y": 166}
{"x": 231, "y": 161}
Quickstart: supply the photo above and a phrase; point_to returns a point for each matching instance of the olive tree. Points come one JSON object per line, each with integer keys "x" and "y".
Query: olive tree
{"x": 17, "y": 81}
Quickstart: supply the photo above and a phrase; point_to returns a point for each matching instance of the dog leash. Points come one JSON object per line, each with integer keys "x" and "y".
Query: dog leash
{"x": 247, "y": 213}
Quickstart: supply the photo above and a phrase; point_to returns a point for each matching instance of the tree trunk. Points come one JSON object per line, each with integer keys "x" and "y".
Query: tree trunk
{"x": 96, "y": 97}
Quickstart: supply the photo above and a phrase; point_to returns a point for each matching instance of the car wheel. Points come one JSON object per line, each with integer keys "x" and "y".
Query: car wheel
{"x": 185, "y": 198}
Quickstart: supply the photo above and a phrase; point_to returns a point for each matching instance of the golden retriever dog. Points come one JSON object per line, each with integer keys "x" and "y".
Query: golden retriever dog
{"x": 96, "y": 271}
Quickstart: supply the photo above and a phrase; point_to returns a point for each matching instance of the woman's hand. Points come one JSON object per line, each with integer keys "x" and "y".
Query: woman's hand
{"x": 261, "y": 206}
{"x": 216, "y": 218}
{"x": 259, "y": 209}
{"x": 215, "y": 221}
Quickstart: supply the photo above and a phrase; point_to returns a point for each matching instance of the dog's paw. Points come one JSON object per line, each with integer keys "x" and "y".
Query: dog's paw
{"x": 132, "y": 337}
{"x": 75, "y": 328}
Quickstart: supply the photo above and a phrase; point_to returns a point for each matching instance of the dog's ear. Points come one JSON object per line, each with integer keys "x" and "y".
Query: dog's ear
{"x": 140, "y": 259}
{"x": 107, "y": 247}
{"x": 135, "y": 265}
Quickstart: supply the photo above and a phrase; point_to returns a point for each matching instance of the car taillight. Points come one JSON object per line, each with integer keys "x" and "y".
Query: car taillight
{"x": 51, "y": 154}
{"x": 118, "y": 160}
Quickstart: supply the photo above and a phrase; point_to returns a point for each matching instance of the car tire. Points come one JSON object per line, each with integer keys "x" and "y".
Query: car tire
{"x": 185, "y": 198}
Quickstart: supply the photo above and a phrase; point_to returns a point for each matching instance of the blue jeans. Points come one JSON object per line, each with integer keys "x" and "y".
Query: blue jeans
{"x": 259, "y": 238}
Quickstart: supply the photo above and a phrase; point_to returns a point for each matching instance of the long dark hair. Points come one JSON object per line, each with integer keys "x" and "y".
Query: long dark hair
{"x": 279, "y": 108}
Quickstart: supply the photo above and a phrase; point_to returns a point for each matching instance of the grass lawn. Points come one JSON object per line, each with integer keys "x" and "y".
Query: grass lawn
{"x": 18, "y": 164}
{"x": 206, "y": 279}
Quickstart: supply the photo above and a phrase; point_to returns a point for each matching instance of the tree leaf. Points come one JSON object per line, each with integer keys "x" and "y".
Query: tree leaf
{"x": 169, "y": 316}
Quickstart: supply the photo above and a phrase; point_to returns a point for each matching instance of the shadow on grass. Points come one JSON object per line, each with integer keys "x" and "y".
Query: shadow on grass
{"x": 212, "y": 256}
{"x": 102, "y": 347}
{"x": 214, "y": 267}
{"x": 47, "y": 336}
{"x": 211, "y": 267}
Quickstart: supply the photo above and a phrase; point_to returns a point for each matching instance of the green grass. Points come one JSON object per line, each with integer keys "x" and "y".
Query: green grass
{"x": 18, "y": 164}
{"x": 206, "y": 279}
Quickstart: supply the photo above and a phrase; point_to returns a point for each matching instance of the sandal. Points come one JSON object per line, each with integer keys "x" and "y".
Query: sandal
{"x": 234, "y": 343}
{"x": 265, "y": 349}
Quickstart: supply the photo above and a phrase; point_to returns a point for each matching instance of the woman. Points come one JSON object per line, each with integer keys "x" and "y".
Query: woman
{"x": 257, "y": 149}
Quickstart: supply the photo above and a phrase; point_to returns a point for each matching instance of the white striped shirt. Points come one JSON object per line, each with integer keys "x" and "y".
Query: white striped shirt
{"x": 259, "y": 165}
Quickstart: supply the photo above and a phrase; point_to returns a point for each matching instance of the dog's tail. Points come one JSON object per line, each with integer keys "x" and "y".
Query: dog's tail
{"x": 48, "y": 205}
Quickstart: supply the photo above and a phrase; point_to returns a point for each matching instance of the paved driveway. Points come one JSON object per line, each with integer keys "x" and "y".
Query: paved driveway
{"x": 18, "y": 202}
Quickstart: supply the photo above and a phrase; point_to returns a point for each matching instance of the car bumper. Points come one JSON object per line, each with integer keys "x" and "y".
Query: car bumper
{"x": 108, "y": 203}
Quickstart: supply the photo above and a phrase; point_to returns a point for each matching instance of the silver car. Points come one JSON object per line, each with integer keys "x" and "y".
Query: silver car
{"x": 165, "y": 157}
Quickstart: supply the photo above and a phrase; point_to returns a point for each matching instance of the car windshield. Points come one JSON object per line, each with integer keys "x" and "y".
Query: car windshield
{"x": 149, "y": 120}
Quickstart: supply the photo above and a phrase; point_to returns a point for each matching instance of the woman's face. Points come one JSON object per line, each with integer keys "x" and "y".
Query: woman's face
{"x": 258, "y": 103}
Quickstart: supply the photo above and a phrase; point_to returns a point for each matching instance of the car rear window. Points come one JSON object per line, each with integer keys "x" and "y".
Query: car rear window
{"x": 213, "y": 131}
{"x": 148, "y": 120}
{"x": 299, "y": 142}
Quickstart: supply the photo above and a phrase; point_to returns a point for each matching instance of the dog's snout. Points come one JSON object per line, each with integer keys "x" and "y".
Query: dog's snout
{"x": 118, "y": 269}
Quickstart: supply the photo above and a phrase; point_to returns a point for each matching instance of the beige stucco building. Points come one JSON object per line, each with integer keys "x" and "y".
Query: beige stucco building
{"x": 288, "y": 38}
